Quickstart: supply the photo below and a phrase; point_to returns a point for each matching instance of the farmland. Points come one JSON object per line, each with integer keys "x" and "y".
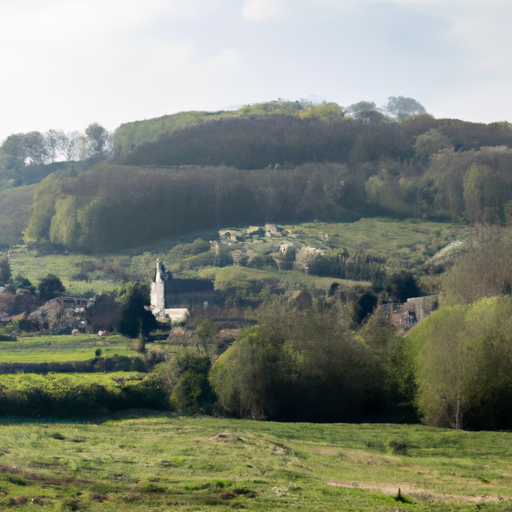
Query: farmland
{"x": 146, "y": 463}
{"x": 36, "y": 349}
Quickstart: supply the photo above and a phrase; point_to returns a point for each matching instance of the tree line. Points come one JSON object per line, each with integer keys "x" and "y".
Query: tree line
{"x": 259, "y": 141}
{"x": 111, "y": 206}
{"x": 27, "y": 158}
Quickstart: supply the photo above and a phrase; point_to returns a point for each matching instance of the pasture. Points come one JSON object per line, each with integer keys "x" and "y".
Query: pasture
{"x": 401, "y": 244}
{"x": 163, "y": 462}
{"x": 50, "y": 349}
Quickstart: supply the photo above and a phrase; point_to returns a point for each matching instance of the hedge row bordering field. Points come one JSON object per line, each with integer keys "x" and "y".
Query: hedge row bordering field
{"x": 115, "y": 363}
{"x": 79, "y": 395}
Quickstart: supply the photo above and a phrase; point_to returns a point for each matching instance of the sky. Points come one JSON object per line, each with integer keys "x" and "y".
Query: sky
{"x": 68, "y": 63}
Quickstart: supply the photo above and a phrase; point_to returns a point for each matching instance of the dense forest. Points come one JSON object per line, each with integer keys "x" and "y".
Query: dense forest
{"x": 274, "y": 162}
{"x": 371, "y": 170}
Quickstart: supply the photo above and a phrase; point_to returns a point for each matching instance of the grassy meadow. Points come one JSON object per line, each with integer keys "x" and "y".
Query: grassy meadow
{"x": 173, "y": 463}
{"x": 38, "y": 349}
{"x": 403, "y": 244}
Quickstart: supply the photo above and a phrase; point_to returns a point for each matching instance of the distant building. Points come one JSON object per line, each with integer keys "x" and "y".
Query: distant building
{"x": 62, "y": 313}
{"x": 158, "y": 296}
{"x": 406, "y": 315}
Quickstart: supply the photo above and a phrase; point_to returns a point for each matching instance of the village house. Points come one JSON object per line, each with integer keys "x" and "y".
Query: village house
{"x": 406, "y": 315}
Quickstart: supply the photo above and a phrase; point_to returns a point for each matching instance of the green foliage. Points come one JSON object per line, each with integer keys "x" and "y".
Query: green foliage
{"x": 362, "y": 106}
{"x": 50, "y": 287}
{"x": 104, "y": 314}
{"x": 5, "y": 270}
{"x": 182, "y": 251}
{"x": 300, "y": 366}
{"x": 403, "y": 285}
{"x": 135, "y": 319}
{"x": 431, "y": 143}
{"x": 44, "y": 205}
{"x": 463, "y": 365}
{"x": 185, "y": 377}
{"x": 98, "y": 137}
{"x": 19, "y": 282}
{"x": 403, "y": 108}
{"x": 15, "y": 206}
{"x": 303, "y": 300}
{"x": 205, "y": 328}
{"x": 77, "y": 395}
{"x": 485, "y": 270}
{"x": 365, "y": 306}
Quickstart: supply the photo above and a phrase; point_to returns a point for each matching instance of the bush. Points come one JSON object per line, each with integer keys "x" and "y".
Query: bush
{"x": 299, "y": 366}
{"x": 78, "y": 395}
{"x": 186, "y": 380}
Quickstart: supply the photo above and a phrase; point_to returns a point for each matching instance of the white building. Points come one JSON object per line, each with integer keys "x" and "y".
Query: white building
{"x": 158, "y": 287}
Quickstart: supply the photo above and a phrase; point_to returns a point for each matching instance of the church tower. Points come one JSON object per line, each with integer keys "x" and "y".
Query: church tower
{"x": 158, "y": 290}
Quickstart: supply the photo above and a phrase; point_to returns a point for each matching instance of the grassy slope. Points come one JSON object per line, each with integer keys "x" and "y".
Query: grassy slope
{"x": 228, "y": 276}
{"x": 405, "y": 243}
{"x": 184, "y": 464}
{"x": 408, "y": 242}
{"x": 63, "y": 265}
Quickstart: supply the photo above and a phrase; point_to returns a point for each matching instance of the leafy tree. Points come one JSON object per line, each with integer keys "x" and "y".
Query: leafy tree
{"x": 186, "y": 379}
{"x": 474, "y": 192}
{"x": 403, "y": 108}
{"x": 205, "y": 328}
{"x": 464, "y": 365}
{"x": 104, "y": 314}
{"x": 403, "y": 285}
{"x": 19, "y": 282}
{"x": 303, "y": 300}
{"x": 98, "y": 137}
{"x": 50, "y": 287}
{"x": 364, "y": 306}
{"x": 362, "y": 106}
{"x": 135, "y": 317}
{"x": 430, "y": 143}
{"x": 299, "y": 366}
{"x": 5, "y": 270}
{"x": 485, "y": 270}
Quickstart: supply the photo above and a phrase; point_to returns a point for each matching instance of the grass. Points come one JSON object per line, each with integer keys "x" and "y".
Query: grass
{"x": 404, "y": 244}
{"x": 174, "y": 463}
{"x": 38, "y": 349}
{"x": 35, "y": 268}
{"x": 229, "y": 276}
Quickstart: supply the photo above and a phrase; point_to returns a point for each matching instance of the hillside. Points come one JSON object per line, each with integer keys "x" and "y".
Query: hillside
{"x": 278, "y": 162}
{"x": 255, "y": 142}
{"x": 130, "y": 135}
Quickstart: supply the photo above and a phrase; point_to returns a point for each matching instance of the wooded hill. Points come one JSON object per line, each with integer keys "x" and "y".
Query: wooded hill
{"x": 277, "y": 162}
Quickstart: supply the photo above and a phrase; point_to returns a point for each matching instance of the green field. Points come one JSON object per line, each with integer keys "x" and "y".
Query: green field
{"x": 38, "y": 349}
{"x": 168, "y": 463}
{"x": 403, "y": 244}
{"x": 35, "y": 268}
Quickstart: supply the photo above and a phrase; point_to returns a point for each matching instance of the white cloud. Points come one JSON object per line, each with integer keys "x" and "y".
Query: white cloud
{"x": 261, "y": 10}
{"x": 486, "y": 37}
{"x": 67, "y": 63}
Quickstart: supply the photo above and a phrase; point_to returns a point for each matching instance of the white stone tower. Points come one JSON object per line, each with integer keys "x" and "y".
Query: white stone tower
{"x": 158, "y": 292}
